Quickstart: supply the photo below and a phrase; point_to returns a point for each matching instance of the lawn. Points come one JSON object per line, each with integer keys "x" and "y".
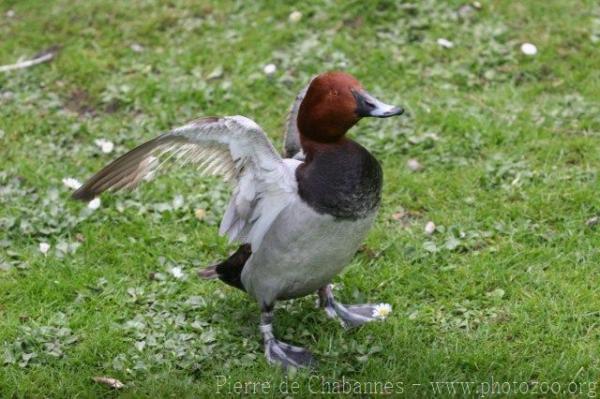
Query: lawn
{"x": 504, "y": 153}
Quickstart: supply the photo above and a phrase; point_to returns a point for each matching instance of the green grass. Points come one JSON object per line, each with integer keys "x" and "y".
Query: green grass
{"x": 506, "y": 289}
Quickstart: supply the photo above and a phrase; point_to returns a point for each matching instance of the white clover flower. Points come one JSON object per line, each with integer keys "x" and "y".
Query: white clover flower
{"x": 382, "y": 311}
{"x": 44, "y": 247}
{"x": 177, "y": 272}
{"x": 528, "y": 49}
{"x": 445, "y": 43}
{"x": 295, "y": 16}
{"x": 94, "y": 204}
{"x": 106, "y": 146}
{"x": 71, "y": 183}
{"x": 270, "y": 69}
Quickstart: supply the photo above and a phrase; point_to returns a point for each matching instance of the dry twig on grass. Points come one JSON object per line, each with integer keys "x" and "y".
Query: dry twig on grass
{"x": 43, "y": 56}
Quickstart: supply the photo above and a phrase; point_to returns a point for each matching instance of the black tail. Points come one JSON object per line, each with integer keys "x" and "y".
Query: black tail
{"x": 230, "y": 270}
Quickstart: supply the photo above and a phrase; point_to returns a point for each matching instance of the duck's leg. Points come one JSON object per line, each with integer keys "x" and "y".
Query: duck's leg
{"x": 351, "y": 315}
{"x": 278, "y": 352}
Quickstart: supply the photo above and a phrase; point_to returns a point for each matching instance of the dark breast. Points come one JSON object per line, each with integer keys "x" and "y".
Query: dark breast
{"x": 341, "y": 179}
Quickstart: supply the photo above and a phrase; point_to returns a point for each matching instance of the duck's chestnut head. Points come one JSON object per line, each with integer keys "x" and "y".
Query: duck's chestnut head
{"x": 333, "y": 103}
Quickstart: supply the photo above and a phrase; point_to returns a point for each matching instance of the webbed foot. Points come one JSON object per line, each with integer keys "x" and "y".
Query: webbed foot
{"x": 352, "y": 315}
{"x": 280, "y": 353}
{"x": 287, "y": 355}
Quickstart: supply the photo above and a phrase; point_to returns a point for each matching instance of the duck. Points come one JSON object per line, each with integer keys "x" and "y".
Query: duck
{"x": 298, "y": 218}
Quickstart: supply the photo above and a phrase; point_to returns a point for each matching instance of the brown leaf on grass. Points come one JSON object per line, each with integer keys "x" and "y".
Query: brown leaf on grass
{"x": 404, "y": 217}
{"x": 109, "y": 382}
{"x": 200, "y": 213}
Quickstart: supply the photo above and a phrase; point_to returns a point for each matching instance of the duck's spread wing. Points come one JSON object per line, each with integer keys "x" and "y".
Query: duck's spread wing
{"x": 234, "y": 147}
{"x": 292, "y": 147}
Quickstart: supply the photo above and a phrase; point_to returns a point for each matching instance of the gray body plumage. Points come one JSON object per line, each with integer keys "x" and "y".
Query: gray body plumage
{"x": 302, "y": 251}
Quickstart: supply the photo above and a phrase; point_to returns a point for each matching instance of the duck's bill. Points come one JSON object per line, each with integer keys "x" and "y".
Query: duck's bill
{"x": 367, "y": 105}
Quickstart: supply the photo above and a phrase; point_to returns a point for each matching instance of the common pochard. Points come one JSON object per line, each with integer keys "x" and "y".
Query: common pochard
{"x": 298, "y": 220}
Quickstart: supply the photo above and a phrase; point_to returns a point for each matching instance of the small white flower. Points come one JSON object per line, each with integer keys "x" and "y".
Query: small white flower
{"x": 414, "y": 165}
{"x": 269, "y": 69}
{"x": 430, "y": 228}
{"x": 136, "y": 47}
{"x": 178, "y": 201}
{"x": 445, "y": 43}
{"x": 106, "y": 146}
{"x": 295, "y": 16}
{"x": 528, "y": 49}
{"x": 44, "y": 247}
{"x": 71, "y": 183}
{"x": 382, "y": 310}
{"x": 177, "y": 272}
{"x": 94, "y": 204}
